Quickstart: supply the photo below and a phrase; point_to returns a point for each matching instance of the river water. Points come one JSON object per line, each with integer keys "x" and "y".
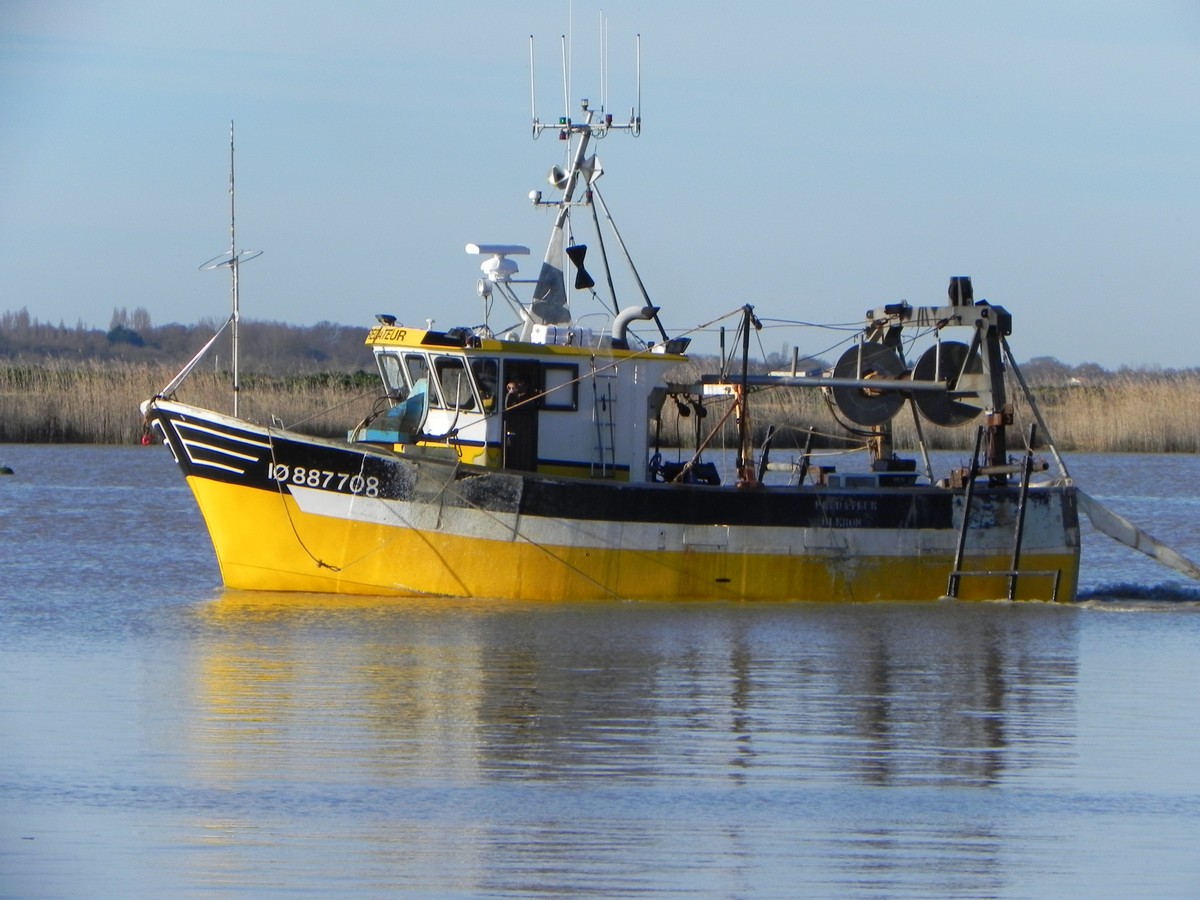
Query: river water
{"x": 160, "y": 737}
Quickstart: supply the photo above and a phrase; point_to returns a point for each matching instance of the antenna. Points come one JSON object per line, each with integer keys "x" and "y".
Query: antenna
{"x": 569, "y": 57}
{"x": 637, "y": 119}
{"x": 599, "y": 122}
{"x": 533, "y": 90}
{"x": 231, "y": 261}
{"x": 603, "y": 63}
{"x": 566, "y": 82}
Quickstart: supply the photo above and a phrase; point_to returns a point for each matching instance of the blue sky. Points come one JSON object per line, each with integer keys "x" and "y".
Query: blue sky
{"x": 813, "y": 159}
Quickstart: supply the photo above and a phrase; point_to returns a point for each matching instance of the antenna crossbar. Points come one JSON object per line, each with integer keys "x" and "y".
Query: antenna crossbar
{"x": 597, "y": 126}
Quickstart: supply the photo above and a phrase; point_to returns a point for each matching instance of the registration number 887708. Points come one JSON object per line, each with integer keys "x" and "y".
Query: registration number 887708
{"x": 303, "y": 476}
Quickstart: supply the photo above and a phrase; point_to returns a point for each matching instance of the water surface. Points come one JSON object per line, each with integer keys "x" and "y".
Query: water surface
{"x": 161, "y": 737}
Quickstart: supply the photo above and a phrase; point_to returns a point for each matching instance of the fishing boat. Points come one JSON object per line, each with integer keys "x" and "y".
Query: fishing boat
{"x": 526, "y": 462}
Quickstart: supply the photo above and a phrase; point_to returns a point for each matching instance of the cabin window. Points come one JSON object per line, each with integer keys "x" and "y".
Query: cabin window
{"x": 393, "y": 378}
{"x": 416, "y": 366}
{"x": 486, "y": 370}
{"x": 561, "y": 382}
{"x": 455, "y": 382}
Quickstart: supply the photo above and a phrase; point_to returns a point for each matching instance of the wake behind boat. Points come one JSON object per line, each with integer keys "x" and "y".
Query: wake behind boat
{"x": 525, "y": 463}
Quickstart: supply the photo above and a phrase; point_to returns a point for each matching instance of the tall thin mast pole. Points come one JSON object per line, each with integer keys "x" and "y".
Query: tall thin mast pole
{"x": 232, "y": 259}
{"x": 744, "y": 469}
{"x": 233, "y": 269}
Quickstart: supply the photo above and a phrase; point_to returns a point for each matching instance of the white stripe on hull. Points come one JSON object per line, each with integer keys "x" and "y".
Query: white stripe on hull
{"x": 1040, "y": 531}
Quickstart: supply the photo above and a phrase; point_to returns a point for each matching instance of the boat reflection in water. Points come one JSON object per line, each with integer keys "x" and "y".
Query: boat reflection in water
{"x": 627, "y": 746}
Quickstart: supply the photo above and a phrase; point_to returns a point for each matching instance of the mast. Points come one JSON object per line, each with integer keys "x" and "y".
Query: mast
{"x": 231, "y": 260}
{"x": 233, "y": 273}
{"x": 549, "y": 304}
{"x": 745, "y": 462}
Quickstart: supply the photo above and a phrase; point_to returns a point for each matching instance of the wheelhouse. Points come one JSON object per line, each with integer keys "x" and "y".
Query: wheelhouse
{"x": 571, "y": 408}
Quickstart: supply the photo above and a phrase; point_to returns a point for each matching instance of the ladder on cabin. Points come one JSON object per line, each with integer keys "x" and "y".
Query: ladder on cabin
{"x": 604, "y": 418}
{"x": 1014, "y": 571}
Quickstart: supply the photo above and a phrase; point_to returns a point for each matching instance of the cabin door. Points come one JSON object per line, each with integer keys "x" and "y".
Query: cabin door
{"x": 522, "y": 385}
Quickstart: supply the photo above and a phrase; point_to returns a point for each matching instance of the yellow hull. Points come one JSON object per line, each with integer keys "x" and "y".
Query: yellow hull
{"x": 265, "y": 541}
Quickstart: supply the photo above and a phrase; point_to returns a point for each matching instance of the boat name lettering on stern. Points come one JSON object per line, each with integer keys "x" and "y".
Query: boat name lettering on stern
{"x": 850, "y": 512}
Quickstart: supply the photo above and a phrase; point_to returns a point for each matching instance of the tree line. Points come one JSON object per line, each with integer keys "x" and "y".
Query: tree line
{"x": 276, "y": 348}
{"x": 273, "y": 348}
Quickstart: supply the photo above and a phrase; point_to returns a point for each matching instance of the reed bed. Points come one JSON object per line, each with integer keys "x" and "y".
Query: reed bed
{"x": 1129, "y": 413}
{"x": 1135, "y": 412}
{"x": 94, "y": 403}
{"x": 98, "y": 403}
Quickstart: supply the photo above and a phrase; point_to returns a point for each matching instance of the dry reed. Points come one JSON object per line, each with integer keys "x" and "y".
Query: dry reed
{"x": 1129, "y": 413}
{"x": 98, "y": 403}
{"x": 1142, "y": 412}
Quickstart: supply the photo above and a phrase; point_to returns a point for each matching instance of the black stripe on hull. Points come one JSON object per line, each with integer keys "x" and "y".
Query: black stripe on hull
{"x": 223, "y": 450}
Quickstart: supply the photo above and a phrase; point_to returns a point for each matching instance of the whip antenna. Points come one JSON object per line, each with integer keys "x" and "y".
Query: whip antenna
{"x": 566, "y": 82}
{"x": 637, "y": 120}
{"x": 532, "y": 89}
{"x": 603, "y": 63}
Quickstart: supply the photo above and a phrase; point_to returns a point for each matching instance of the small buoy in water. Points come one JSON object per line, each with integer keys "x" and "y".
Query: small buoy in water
{"x": 147, "y": 440}
{"x": 6, "y": 470}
